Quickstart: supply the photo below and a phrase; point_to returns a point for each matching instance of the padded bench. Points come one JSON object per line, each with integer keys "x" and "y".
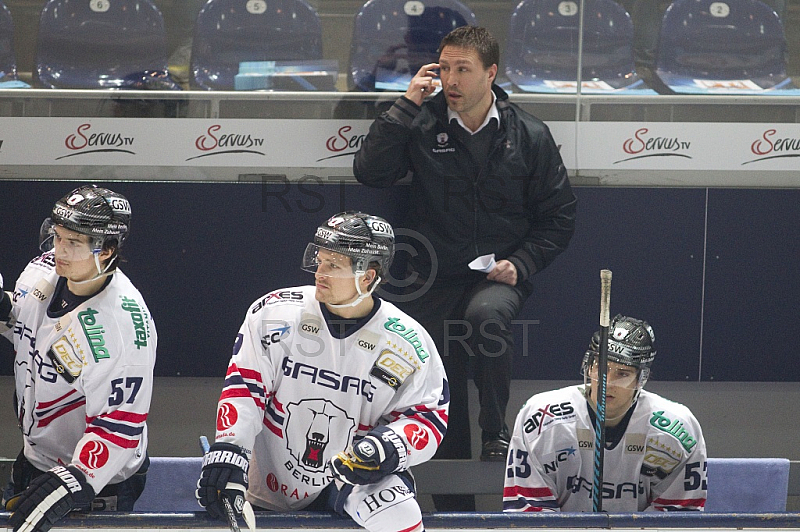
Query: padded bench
{"x": 751, "y": 485}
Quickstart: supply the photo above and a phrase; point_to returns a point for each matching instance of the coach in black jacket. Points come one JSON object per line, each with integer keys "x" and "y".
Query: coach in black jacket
{"x": 487, "y": 179}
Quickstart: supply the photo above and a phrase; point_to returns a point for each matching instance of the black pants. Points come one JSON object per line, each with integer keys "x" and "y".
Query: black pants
{"x": 119, "y": 497}
{"x": 472, "y": 328}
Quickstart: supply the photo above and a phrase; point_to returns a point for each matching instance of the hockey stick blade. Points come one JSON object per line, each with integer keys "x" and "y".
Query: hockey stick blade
{"x": 226, "y": 503}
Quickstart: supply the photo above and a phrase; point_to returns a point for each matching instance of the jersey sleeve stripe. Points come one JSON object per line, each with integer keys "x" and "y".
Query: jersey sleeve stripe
{"x": 239, "y": 392}
{"x": 530, "y": 493}
{"x": 117, "y": 427}
{"x": 121, "y": 415}
{"x": 125, "y": 443}
{"x": 43, "y": 422}
{"x": 48, "y": 404}
{"x": 275, "y": 430}
{"x": 679, "y": 504}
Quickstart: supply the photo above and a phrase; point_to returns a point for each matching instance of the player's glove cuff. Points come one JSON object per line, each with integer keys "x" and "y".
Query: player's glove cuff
{"x": 49, "y": 497}
{"x": 224, "y": 474}
{"x": 379, "y": 453}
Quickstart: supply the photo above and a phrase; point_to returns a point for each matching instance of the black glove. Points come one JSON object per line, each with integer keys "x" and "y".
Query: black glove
{"x": 376, "y": 455}
{"x": 224, "y": 475}
{"x": 49, "y": 497}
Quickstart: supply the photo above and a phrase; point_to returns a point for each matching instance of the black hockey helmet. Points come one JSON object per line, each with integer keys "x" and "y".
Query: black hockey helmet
{"x": 90, "y": 210}
{"x": 631, "y": 342}
{"x": 362, "y": 237}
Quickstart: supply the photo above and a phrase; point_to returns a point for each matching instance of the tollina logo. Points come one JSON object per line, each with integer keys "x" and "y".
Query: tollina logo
{"x": 342, "y": 143}
{"x": 84, "y": 141}
{"x": 768, "y": 147}
{"x": 642, "y": 146}
{"x": 212, "y": 142}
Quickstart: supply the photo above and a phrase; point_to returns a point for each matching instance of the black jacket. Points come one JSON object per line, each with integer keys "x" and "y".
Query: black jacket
{"x": 518, "y": 204}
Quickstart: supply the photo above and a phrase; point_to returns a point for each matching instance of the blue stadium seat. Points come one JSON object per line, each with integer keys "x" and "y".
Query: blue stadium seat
{"x": 99, "y": 44}
{"x": 722, "y": 47}
{"x": 230, "y": 32}
{"x": 542, "y": 47}
{"x": 8, "y": 61}
{"x": 392, "y": 39}
{"x": 757, "y": 485}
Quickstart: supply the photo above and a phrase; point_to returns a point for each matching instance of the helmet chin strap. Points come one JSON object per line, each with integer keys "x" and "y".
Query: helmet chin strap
{"x": 101, "y": 272}
{"x": 361, "y": 295}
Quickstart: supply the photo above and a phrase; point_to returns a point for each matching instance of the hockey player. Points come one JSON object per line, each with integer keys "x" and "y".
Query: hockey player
{"x": 331, "y": 393}
{"x": 85, "y": 349}
{"x": 655, "y": 455}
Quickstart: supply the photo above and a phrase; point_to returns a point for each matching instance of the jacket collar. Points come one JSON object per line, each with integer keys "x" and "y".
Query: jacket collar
{"x": 440, "y": 104}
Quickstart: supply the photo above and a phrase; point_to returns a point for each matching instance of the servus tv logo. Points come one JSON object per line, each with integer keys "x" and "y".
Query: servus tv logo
{"x": 642, "y": 146}
{"x": 87, "y": 141}
{"x": 216, "y": 142}
{"x": 772, "y": 146}
{"x": 343, "y": 143}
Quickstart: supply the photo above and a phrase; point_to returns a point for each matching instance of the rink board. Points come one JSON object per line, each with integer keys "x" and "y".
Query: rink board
{"x": 435, "y": 522}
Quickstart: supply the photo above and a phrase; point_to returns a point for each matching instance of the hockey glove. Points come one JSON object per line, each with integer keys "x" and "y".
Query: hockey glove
{"x": 49, "y": 497}
{"x": 224, "y": 474}
{"x": 379, "y": 453}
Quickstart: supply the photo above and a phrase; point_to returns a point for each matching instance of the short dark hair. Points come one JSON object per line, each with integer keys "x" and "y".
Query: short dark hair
{"x": 474, "y": 38}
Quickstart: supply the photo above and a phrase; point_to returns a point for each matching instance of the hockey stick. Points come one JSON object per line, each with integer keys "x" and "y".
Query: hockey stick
{"x": 602, "y": 380}
{"x": 247, "y": 509}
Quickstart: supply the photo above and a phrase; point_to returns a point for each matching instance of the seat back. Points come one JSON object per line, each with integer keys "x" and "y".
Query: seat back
{"x": 8, "y": 61}
{"x": 392, "y": 39}
{"x": 97, "y": 44}
{"x": 230, "y": 32}
{"x": 730, "y": 40}
{"x": 755, "y": 485}
{"x": 542, "y": 48}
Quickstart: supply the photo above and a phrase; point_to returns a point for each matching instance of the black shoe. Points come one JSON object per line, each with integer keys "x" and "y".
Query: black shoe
{"x": 495, "y": 449}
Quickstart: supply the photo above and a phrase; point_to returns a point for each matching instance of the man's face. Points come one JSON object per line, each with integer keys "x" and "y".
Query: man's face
{"x": 620, "y": 388}
{"x": 334, "y": 278}
{"x": 73, "y": 253}
{"x": 465, "y": 82}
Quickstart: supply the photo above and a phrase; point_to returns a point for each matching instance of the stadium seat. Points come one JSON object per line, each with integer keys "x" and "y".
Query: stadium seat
{"x": 757, "y": 485}
{"x": 392, "y": 39}
{"x": 99, "y": 44}
{"x": 8, "y": 61}
{"x": 231, "y": 32}
{"x": 542, "y": 48}
{"x": 722, "y": 47}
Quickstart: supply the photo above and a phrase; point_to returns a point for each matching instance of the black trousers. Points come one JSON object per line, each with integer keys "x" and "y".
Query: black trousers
{"x": 472, "y": 327}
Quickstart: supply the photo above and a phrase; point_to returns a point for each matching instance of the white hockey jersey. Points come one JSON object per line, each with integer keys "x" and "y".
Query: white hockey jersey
{"x": 107, "y": 347}
{"x": 659, "y": 464}
{"x": 298, "y": 391}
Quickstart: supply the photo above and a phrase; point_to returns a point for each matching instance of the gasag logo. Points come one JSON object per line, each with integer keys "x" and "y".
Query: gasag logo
{"x": 84, "y": 141}
{"x": 212, "y": 142}
{"x": 642, "y": 145}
